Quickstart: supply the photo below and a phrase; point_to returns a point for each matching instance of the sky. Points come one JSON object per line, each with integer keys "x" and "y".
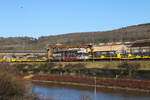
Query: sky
{"x": 35, "y": 18}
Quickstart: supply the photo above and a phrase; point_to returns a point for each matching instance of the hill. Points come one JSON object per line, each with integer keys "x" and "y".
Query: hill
{"x": 131, "y": 33}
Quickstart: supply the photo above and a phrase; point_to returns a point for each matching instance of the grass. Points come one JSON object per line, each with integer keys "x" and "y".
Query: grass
{"x": 145, "y": 65}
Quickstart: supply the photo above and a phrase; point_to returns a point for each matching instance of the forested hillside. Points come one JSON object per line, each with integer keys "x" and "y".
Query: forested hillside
{"x": 130, "y": 33}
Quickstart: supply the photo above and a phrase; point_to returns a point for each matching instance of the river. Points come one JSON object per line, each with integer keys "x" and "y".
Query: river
{"x": 68, "y": 92}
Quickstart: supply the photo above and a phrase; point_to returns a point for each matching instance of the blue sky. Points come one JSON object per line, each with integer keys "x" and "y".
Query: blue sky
{"x": 36, "y": 18}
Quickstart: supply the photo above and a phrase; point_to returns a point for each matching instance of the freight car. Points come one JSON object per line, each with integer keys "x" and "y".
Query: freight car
{"x": 104, "y": 56}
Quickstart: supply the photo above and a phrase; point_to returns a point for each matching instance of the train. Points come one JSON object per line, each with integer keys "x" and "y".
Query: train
{"x": 65, "y": 53}
{"x": 99, "y": 56}
{"x": 24, "y": 59}
{"x": 72, "y": 57}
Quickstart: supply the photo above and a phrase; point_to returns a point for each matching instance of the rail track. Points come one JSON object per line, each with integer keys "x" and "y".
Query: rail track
{"x": 113, "y": 61}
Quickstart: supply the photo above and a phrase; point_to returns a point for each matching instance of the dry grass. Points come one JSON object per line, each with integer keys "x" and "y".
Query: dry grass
{"x": 13, "y": 87}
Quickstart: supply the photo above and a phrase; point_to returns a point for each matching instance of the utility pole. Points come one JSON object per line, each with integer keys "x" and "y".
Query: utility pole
{"x": 95, "y": 91}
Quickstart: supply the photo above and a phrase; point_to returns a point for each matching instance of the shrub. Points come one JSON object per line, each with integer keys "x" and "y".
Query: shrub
{"x": 77, "y": 68}
{"x": 10, "y": 86}
{"x": 128, "y": 68}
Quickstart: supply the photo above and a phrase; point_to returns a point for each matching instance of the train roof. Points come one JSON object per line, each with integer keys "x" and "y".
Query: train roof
{"x": 69, "y": 46}
{"x": 60, "y": 51}
{"x": 141, "y": 43}
{"x": 108, "y": 48}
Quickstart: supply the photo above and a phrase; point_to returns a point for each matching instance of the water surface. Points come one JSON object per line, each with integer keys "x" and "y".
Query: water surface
{"x": 66, "y": 92}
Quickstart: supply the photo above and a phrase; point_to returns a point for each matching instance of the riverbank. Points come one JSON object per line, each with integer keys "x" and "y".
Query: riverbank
{"x": 136, "y": 70}
{"x": 116, "y": 74}
{"x": 108, "y": 83}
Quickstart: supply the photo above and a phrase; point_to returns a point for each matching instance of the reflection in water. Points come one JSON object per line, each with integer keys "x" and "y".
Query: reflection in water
{"x": 76, "y": 93}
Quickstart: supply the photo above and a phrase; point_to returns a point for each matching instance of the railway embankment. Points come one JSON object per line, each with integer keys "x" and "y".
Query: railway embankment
{"x": 116, "y": 75}
{"x": 132, "y": 69}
